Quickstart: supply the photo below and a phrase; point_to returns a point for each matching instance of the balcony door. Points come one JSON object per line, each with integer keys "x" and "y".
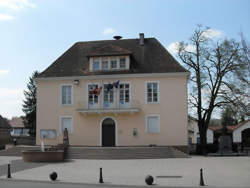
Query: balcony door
{"x": 124, "y": 95}
{"x": 92, "y": 96}
{"x": 108, "y": 132}
{"x": 108, "y": 96}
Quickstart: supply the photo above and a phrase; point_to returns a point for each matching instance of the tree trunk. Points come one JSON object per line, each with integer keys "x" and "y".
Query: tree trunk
{"x": 201, "y": 149}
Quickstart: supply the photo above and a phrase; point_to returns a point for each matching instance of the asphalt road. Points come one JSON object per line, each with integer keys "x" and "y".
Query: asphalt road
{"x": 40, "y": 184}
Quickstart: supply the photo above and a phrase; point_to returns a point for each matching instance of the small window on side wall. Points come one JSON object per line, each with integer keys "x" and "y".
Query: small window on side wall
{"x": 153, "y": 124}
{"x": 66, "y": 122}
{"x": 66, "y": 95}
{"x": 152, "y": 92}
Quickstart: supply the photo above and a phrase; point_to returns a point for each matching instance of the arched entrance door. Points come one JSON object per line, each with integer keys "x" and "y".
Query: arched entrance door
{"x": 108, "y": 132}
{"x": 246, "y": 137}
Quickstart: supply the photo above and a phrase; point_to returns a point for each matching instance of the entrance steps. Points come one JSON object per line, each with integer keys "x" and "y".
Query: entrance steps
{"x": 107, "y": 152}
{"x": 124, "y": 153}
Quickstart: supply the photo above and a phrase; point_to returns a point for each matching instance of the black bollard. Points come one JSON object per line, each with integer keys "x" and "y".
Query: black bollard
{"x": 53, "y": 176}
{"x": 201, "y": 178}
{"x": 149, "y": 179}
{"x": 100, "y": 178}
{"x": 8, "y": 171}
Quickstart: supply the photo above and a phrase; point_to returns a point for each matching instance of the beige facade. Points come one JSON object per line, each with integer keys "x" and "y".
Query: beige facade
{"x": 87, "y": 124}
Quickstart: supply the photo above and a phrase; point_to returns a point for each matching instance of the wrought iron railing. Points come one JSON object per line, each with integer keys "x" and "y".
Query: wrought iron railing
{"x": 106, "y": 105}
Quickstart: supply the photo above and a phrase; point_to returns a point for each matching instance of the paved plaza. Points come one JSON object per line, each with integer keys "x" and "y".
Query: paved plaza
{"x": 218, "y": 171}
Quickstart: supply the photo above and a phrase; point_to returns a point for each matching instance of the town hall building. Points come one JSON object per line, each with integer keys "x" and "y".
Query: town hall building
{"x": 121, "y": 92}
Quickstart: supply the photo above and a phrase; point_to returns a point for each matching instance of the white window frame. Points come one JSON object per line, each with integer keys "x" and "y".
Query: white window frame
{"x": 72, "y": 94}
{"x": 114, "y": 59}
{"x": 109, "y": 59}
{"x": 125, "y": 65}
{"x": 158, "y": 92}
{"x": 112, "y": 105}
{"x": 130, "y": 97}
{"x": 99, "y": 62}
{"x": 87, "y": 95}
{"x": 153, "y": 115}
{"x": 60, "y": 128}
{"x": 104, "y": 59}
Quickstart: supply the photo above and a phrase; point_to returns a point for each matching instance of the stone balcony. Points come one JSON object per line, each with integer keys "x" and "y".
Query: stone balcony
{"x": 107, "y": 108}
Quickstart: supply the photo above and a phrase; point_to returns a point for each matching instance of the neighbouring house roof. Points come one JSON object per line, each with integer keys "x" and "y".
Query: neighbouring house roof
{"x": 151, "y": 57}
{"x": 215, "y": 128}
{"x": 238, "y": 126}
{"x": 16, "y": 122}
{"x": 230, "y": 128}
{"x": 4, "y": 123}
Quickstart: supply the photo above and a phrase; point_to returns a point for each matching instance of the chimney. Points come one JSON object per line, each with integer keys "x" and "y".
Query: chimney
{"x": 141, "y": 39}
{"x": 117, "y": 37}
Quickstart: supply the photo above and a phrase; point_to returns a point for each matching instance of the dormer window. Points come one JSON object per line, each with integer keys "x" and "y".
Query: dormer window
{"x": 96, "y": 64}
{"x": 109, "y": 63}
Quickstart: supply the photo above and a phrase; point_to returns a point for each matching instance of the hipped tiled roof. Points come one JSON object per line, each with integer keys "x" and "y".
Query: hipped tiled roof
{"x": 151, "y": 57}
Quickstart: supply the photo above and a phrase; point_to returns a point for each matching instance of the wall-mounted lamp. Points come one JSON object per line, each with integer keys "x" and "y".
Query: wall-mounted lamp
{"x": 76, "y": 82}
{"x": 134, "y": 132}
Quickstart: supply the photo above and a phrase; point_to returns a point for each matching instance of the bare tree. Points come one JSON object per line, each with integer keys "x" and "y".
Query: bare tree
{"x": 215, "y": 68}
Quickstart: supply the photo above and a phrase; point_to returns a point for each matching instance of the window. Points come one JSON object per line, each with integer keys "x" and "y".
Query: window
{"x": 66, "y": 94}
{"x": 105, "y": 64}
{"x": 96, "y": 65}
{"x": 153, "y": 124}
{"x": 152, "y": 92}
{"x": 48, "y": 133}
{"x": 113, "y": 64}
{"x": 124, "y": 93}
{"x": 66, "y": 122}
{"x": 109, "y": 63}
{"x": 92, "y": 95}
{"x": 122, "y": 63}
{"x": 108, "y": 95}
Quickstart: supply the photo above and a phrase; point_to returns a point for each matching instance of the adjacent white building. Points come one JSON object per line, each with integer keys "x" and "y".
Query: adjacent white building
{"x": 240, "y": 133}
{"x": 210, "y": 135}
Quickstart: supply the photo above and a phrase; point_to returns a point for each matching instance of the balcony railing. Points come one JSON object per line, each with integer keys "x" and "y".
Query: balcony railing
{"x": 108, "y": 107}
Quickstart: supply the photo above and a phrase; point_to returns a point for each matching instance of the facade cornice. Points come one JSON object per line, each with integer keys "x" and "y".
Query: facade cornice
{"x": 117, "y": 76}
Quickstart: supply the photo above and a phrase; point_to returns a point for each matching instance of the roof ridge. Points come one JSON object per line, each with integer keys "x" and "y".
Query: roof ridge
{"x": 92, "y": 41}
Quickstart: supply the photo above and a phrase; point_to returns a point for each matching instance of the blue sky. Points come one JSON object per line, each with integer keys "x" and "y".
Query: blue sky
{"x": 33, "y": 33}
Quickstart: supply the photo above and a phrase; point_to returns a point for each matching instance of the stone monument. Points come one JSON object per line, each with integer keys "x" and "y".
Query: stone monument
{"x": 225, "y": 142}
{"x": 66, "y": 137}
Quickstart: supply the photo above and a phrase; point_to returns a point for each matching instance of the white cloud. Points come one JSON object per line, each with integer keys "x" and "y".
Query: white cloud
{"x": 108, "y": 31}
{"x": 16, "y": 4}
{"x": 6, "y": 17}
{"x": 3, "y": 72}
{"x": 11, "y": 102}
{"x": 173, "y": 48}
{"x": 213, "y": 33}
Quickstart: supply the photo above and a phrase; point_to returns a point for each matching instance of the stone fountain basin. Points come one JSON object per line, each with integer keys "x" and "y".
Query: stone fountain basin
{"x": 43, "y": 156}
